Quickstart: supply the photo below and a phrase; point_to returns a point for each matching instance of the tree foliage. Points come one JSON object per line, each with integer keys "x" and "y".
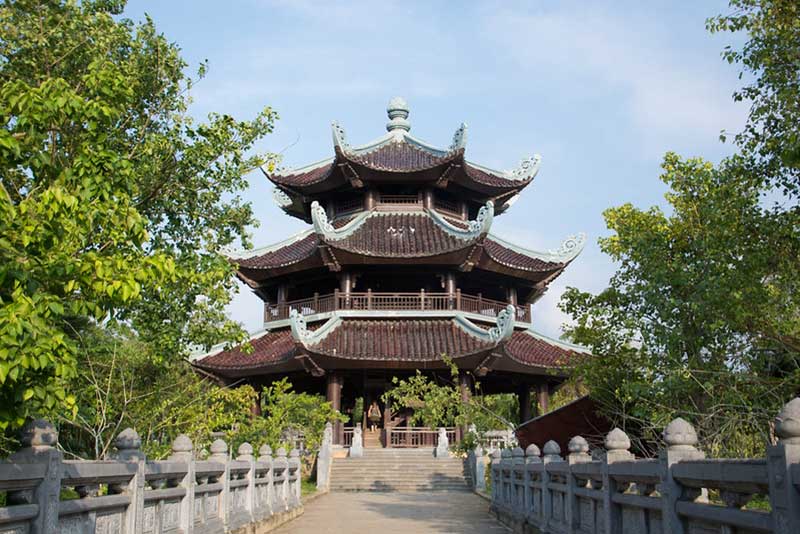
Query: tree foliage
{"x": 770, "y": 61}
{"x": 114, "y": 204}
{"x": 701, "y": 318}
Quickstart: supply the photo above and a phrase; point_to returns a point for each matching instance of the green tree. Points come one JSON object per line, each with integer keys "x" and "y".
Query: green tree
{"x": 114, "y": 203}
{"x": 701, "y": 318}
{"x": 770, "y": 61}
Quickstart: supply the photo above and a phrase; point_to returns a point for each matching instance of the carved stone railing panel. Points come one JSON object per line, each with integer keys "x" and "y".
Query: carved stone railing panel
{"x": 680, "y": 492}
{"x": 130, "y": 495}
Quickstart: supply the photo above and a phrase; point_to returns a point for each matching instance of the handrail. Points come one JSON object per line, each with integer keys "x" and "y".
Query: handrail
{"x": 393, "y": 301}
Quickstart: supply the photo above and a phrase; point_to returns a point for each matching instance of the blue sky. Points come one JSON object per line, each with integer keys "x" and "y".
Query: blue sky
{"x": 600, "y": 89}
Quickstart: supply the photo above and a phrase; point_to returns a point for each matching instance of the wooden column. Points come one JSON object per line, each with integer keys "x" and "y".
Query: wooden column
{"x": 511, "y": 294}
{"x": 543, "y": 398}
{"x": 427, "y": 199}
{"x": 524, "y": 396}
{"x": 334, "y": 396}
{"x": 370, "y": 200}
{"x": 282, "y": 311}
{"x": 450, "y": 287}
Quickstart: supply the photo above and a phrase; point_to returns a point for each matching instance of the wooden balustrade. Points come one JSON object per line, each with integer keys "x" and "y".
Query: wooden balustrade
{"x": 417, "y": 436}
{"x": 369, "y": 300}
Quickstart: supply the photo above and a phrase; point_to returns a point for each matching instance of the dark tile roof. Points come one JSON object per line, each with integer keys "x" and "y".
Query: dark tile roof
{"x": 287, "y": 255}
{"x": 531, "y": 350}
{"x": 493, "y": 180}
{"x": 300, "y": 179}
{"x": 268, "y": 349}
{"x": 401, "y": 157}
{"x": 511, "y": 258}
{"x": 399, "y": 340}
{"x": 410, "y": 234}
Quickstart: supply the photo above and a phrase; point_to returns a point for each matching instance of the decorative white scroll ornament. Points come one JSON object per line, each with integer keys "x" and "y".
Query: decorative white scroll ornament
{"x": 527, "y": 169}
{"x": 505, "y": 325}
{"x": 281, "y": 198}
{"x": 323, "y": 227}
{"x": 300, "y": 330}
{"x": 569, "y": 249}
{"x": 459, "y": 138}
{"x": 475, "y": 228}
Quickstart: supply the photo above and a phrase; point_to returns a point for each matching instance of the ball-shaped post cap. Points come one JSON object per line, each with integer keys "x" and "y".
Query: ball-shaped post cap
{"x": 517, "y": 452}
{"x": 578, "y": 445}
{"x": 265, "y": 450}
{"x": 680, "y": 434}
{"x": 551, "y": 448}
{"x": 787, "y": 422}
{"x": 219, "y": 447}
{"x": 294, "y": 453}
{"x": 39, "y": 433}
{"x": 533, "y": 450}
{"x": 128, "y": 440}
{"x": 182, "y": 443}
{"x": 245, "y": 451}
{"x": 505, "y": 453}
{"x": 281, "y": 452}
{"x": 497, "y": 454}
{"x": 617, "y": 440}
{"x": 398, "y": 114}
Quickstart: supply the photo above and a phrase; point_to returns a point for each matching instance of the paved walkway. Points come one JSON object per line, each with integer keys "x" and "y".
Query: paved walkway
{"x": 396, "y": 513}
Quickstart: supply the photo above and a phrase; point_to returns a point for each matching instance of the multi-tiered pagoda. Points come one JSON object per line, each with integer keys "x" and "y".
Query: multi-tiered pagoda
{"x": 399, "y": 268}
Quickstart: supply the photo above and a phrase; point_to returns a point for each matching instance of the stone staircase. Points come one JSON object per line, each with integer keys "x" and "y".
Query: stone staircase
{"x": 398, "y": 470}
{"x": 372, "y": 440}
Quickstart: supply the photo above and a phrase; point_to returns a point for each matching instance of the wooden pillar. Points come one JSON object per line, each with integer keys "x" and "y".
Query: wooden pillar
{"x": 450, "y": 287}
{"x": 511, "y": 294}
{"x": 524, "y": 396}
{"x": 334, "y": 396}
{"x": 283, "y": 312}
{"x": 543, "y": 398}
{"x": 370, "y": 200}
{"x": 464, "y": 211}
{"x": 427, "y": 199}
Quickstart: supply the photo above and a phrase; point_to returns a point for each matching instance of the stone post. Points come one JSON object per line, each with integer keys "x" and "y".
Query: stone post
{"x": 39, "y": 440}
{"x": 245, "y": 454}
{"x": 357, "y": 446}
{"x": 219, "y": 454}
{"x": 182, "y": 451}
{"x": 129, "y": 450}
{"x": 552, "y": 454}
{"x": 324, "y": 458}
{"x": 617, "y": 446}
{"x": 578, "y": 453}
{"x": 442, "y": 444}
{"x": 477, "y": 463}
{"x": 265, "y": 457}
{"x": 681, "y": 439}
{"x": 295, "y": 489}
{"x": 281, "y": 465}
{"x": 783, "y": 494}
{"x": 496, "y": 475}
{"x": 517, "y": 481}
{"x": 506, "y": 463}
{"x": 532, "y": 456}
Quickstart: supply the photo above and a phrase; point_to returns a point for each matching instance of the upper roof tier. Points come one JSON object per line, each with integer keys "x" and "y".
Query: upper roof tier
{"x": 398, "y": 158}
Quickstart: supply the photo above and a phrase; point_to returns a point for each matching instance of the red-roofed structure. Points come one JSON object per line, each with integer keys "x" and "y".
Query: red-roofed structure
{"x": 398, "y": 269}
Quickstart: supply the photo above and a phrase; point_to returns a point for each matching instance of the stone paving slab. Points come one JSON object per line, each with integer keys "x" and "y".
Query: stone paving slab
{"x": 395, "y": 513}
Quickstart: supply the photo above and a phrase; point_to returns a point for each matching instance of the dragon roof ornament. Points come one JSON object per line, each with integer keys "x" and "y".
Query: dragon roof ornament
{"x": 301, "y": 333}
{"x": 568, "y": 251}
{"x": 475, "y": 228}
{"x": 281, "y": 198}
{"x": 323, "y": 226}
{"x": 502, "y": 331}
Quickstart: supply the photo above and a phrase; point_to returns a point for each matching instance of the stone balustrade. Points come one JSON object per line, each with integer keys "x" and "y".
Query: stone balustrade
{"x": 680, "y": 492}
{"x": 245, "y": 494}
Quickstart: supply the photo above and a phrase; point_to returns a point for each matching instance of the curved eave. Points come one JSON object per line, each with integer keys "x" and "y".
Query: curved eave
{"x": 272, "y": 351}
{"x": 295, "y": 253}
{"x": 532, "y": 349}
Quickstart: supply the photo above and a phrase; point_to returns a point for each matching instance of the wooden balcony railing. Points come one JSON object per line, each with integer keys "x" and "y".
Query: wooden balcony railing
{"x": 421, "y": 301}
{"x": 417, "y": 436}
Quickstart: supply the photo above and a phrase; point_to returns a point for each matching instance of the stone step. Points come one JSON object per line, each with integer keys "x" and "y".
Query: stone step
{"x": 400, "y": 488}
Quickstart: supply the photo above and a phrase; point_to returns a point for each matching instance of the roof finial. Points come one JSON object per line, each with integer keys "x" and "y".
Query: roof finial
{"x": 398, "y": 113}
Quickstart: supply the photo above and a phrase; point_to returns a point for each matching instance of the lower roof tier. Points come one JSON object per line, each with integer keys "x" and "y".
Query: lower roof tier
{"x": 348, "y": 343}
